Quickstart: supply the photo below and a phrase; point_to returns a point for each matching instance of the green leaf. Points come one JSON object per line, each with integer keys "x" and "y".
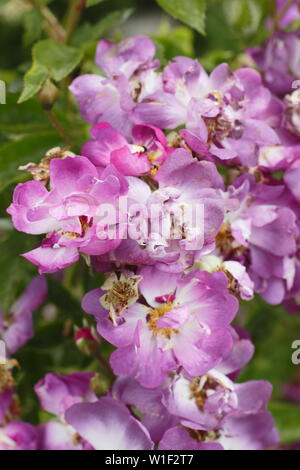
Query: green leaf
{"x": 175, "y": 41}
{"x": 91, "y": 3}
{"x": 15, "y": 271}
{"x": 294, "y": 26}
{"x": 62, "y": 298}
{"x": 29, "y": 149}
{"x": 272, "y": 331}
{"x": 287, "y": 418}
{"x": 33, "y": 22}
{"x": 56, "y": 57}
{"x": 213, "y": 58}
{"x": 92, "y": 32}
{"x": 33, "y": 81}
{"x": 191, "y": 12}
{"x": 244, "y": 15}
{"x": 50, "y": 58}
{"x": 23, "y": 118}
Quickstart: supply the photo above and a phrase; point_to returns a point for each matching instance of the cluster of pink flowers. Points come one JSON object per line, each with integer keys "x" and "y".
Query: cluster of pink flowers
{"x": 160, "y": 137}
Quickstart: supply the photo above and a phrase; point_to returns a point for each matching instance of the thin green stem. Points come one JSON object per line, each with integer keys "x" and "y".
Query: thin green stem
{"x": 55, "y": 122}
{"x": 52, "y": 26}
{"x": 106, "y": 366}
{"x": 72, "y": 17}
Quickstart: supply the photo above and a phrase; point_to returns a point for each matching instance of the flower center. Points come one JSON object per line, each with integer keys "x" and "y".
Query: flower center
{"x": 155, "y": 314}
{"x": 291, "y": 119}
{"x": 120, "y": 294}
{"x": 85, "y": 223}
{"x": 217, "y": 127}
{"x": 199, "y": 387}
{"x": 227, "y": 244}
{"x": 204, "y": 436}
{"x": 6, "y": 379}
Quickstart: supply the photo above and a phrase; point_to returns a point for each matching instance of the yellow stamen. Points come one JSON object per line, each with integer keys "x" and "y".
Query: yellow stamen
{"x": 155, "y": 314}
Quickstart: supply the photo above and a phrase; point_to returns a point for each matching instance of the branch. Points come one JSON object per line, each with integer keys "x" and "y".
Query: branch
{"x": 55, "y": 122}
{"x": 72, "y": 17}
{"x": 52, "y": 25}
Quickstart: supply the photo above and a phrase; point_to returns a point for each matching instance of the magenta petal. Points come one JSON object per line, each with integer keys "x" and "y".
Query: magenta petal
{"x": 55, "y": 435}
{"x": 32, "y": 298}
{"x": 162, "y": 110}
{"x": 182, "y": 170}
{"x": 108, "y": 425}
{"x": 274, "y": 291}
{"x": 18, "y": 333}
{"x": 50, "y": 260}
{"x": 5, "y": 402}
{"x": 156, "y": 418}
{"x": 155, "y": 284}
{"x": 199, "y": 351}
{"x": 292, "y": 180}
{"x": 99, "y": 100}
{"x": 145, "y": 362}
{"x": 238, "y": 357}
{"x": 252, "y": 432}
{"x": 124, "y": 57}
{"x": 29, "y": 210}
{"x": 131, "y": 164}
{"x": 178, "y": 438}
{"x": 278, "y": 236}
{"x": 58, "y": 392}
{"x": 91, "y": 303}
{"x": 194, "y": 142}
{"x": 253, "y": 396}
{"x": 20, "y": 436}
{"x": 70, "y": 174}
{"x": 106, "y": 139}
{"x": 145, "y": 135}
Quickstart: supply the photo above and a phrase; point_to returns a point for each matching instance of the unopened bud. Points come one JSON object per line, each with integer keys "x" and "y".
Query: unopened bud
{"x": 99, "y": 384}
{"x": 86, "y": 341}
{"x": 48, "y": 94}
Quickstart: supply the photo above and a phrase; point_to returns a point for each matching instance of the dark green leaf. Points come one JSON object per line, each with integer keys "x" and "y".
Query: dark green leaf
{"x": 50, "y": 58}
{"x": 244, "y": 15}
{"x": 33, "y": 22}
{"x": 15, "y": 271}
{"x": 59, "y": 59}
{"x": 62, "y": 298}
{"x": 33, "y": 81}
{"x": 23, "y": 118}
{"x": 92, "y": 32}
{"x": 29, "y": 149}
{"x": 287, "y": 418}
{"x": 191, "y": 12}
{"x": 273, "y": 331}
{"x": 91, "y": 3}
{"x": 175, "y": 41}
